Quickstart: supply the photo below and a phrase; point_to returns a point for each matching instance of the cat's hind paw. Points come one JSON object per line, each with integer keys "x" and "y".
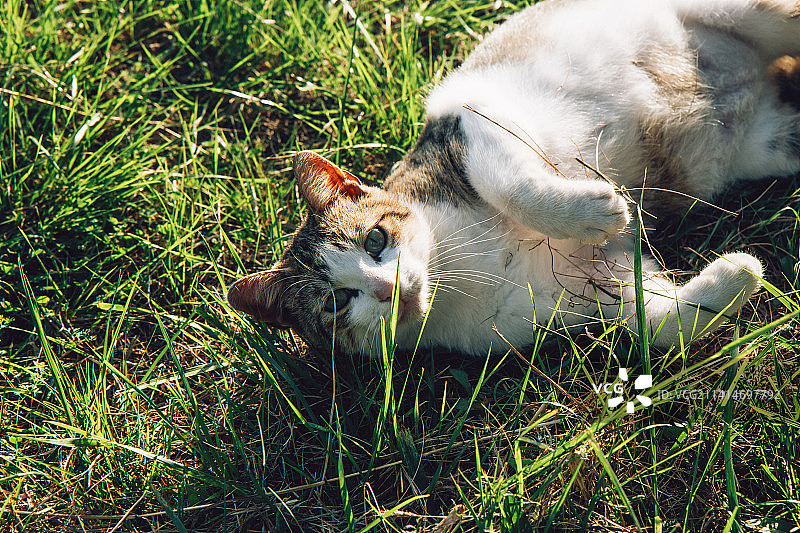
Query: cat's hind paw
{"x": 708, "y": 300}
{"x": 723, "y": 286}
{"x": 731, "y": 280}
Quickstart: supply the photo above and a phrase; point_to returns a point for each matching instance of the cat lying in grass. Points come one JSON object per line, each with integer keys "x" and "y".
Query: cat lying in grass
{"x": 523, "y": 175}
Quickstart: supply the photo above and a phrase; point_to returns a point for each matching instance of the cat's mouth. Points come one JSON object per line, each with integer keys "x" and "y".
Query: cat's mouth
{"x": 409, "y": 306}
{"x": 407, "y": 309}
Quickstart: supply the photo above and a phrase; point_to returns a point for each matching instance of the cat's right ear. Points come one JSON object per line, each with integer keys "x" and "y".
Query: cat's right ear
{"x": 322, "y": 182}
{"x": 259, "y": 294}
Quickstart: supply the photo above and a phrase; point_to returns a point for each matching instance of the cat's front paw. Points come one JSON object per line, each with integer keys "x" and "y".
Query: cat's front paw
{"x": 598, "y": 213}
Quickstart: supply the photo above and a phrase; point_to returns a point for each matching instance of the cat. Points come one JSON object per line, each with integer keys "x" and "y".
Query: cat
{"x": 524, "y": 174}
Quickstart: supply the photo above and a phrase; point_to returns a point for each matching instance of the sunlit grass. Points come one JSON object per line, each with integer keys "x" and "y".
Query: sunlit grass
{"x": 145, "y": 152}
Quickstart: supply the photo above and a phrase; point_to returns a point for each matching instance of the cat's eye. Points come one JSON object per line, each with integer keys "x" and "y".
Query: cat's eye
{"x": 375, "y": 241}
{"x": 339, "y": 300}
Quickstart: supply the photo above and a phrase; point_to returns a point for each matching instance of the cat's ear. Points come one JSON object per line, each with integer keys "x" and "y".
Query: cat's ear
{"x": 322, "y": 182}
{"x": 259, "y": 294}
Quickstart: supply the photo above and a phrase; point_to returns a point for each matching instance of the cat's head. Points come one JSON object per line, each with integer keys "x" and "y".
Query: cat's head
{"x": 335, "y": 279}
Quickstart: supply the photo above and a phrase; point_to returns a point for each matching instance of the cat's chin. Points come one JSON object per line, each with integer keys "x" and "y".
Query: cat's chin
{"x": 409, "y": 311}
{"x": 413, "y": 299}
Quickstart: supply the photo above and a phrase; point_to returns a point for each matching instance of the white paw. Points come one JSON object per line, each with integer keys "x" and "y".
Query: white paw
{"x": 709, "y": 299}
{"x": 596, "y": 212}
{"x": 732, "y": 278}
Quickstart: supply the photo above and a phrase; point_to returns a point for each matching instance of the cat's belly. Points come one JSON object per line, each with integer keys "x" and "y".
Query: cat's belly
{"x": 546, "y": 277}
{"x": 495, "y": 275}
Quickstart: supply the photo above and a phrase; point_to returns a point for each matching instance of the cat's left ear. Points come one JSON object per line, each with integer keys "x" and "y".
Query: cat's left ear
{"x": 322, "y": 182}
{"x": 259, "y": 294}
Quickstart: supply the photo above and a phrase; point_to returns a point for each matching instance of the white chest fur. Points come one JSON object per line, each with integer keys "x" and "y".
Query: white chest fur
{"x": 492, "y": 273}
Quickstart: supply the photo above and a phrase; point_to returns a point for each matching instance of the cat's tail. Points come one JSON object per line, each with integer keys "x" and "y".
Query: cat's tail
{"x": 707, "y": 301}
{"x": 773, "y": 26}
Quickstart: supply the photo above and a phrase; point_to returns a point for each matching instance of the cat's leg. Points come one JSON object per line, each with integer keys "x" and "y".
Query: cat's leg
{"x": 675, "y": 312}
{"x": 772, "y": 26}
{"x": 588, "y": 210}
{"x": 707, "y": 301}
{"x": 771, "y": 146}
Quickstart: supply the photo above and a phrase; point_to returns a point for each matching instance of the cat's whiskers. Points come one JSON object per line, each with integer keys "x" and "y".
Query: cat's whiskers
{"x": 445, "y": 288}
{"x": 440, "y": 221}
{"x": 447, "y": 260}
{"x": 442, "y": 254}
{"x": 476, "y": 239}
{"x": 293, "y": 276}
{"x": 465, "y": 228}
{"x": 468, "y": 279}
{"x": 300, "y": 282}
{"x": 303, "y": 279}
{"x": 442, "y": 251}
{"x": 479, "y": 274}
{"x": 467, "y": 275}
{"x": 479, "y": 282}
{"x": 371, "y": 344}
{"x": 308, "y": 268}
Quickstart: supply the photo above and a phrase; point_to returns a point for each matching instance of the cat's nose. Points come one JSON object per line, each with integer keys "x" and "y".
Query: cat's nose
{"x": 383, "y": 290}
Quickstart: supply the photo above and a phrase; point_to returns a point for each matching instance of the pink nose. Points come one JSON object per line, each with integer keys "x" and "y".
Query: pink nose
{"x": 383, "y": 290}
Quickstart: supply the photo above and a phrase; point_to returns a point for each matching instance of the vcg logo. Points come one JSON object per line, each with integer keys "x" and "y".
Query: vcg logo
{"x": 642, "y": 383}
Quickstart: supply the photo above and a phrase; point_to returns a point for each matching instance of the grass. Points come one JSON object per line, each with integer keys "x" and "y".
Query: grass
{"x": 145, "y": 164}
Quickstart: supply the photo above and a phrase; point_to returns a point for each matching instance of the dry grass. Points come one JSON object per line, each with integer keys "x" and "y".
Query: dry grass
{"x": 133, "y": 399}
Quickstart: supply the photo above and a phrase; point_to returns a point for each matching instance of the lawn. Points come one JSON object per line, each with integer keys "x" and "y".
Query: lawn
{"x": 145, "y": 164}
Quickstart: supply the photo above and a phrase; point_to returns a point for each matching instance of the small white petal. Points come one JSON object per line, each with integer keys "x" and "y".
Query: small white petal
{"x": 74, "y": 57}
{"x": 83, "y": 129}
